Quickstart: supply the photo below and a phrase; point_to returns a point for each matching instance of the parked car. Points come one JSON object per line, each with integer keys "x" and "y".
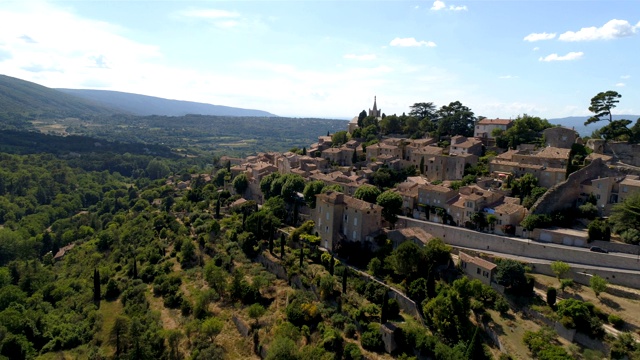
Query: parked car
{"x": 598, "y": 249}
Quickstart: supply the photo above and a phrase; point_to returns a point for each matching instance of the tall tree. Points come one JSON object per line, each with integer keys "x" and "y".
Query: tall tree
{"x": 391, "y": 203}
{"x": 368, "y": 193}
{"x": 423, "y": 110}
{"x": 601, "y": 106}
{"x": 281, "y": 246}
{"x": 598, "y": 284}
{"x": 96, "y": 286}
{"x": 455, "y": 119}
{"x": 625, "y": 216}
{"x": 345, "y": 275}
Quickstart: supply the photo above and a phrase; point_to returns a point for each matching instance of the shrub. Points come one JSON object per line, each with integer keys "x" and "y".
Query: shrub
{"x": 552, "y": 294}
{"x": 352, "y": 352}
{"x": 350, "y": 331}
{"x": 372, "y": 339}
{"x": 616, "y": 321}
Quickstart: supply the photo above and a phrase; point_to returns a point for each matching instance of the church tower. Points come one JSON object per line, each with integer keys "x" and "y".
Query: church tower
{"x": 375, "y": 112}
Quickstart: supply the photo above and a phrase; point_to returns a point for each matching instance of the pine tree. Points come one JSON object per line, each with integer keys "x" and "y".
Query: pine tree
{"x": 96, "y": 286}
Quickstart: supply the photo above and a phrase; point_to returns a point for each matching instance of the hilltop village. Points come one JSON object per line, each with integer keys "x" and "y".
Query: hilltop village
{"x": 460, "y": 181}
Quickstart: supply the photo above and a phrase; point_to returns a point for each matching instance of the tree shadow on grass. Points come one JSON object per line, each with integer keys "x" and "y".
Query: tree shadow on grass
{"x": 610, "y": 303}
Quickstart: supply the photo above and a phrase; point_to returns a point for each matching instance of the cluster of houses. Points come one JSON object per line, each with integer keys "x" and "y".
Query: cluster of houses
{"x": 429, "y": 195}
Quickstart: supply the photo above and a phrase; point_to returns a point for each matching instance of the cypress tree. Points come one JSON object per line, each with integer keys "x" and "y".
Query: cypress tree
{"x": 218, "y": 208}
{"x": 229, "y": 166}
{"x": 301, "y": 255}
{"x": 345, "y": 274}
{"x": 304, "y": 150}
{"x": 384, "y": 309}
{"x": 282, "y": 246}
{"x": 96, "y": 286}
{"x": 135, "y": 268}
{"x": 422, "y": 166}
{"x": 354, "y": 158}
{"x": 331, "y": 265}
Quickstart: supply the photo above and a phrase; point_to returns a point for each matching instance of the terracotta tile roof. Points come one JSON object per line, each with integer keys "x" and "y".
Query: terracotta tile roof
{"x": 430, "y": 150}
{"x": 478, "y": 261}
{"x": 417, "y": 180}
{"x": 416, "y": 233}
{"x": 507, "y": 155}
{"x": 507, "y": 208}
{"x": 553, "y": 153}
{"x": 495, "y": 122}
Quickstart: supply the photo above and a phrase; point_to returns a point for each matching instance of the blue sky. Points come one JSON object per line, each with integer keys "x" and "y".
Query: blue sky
{"x": 330, "y": 58}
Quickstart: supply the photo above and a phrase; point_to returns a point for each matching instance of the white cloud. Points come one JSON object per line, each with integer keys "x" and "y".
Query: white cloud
{"x": 536, "y": 48}
{"x": 508, "y": 77}
{"x": 625, "y": 77}
{"x": 539, "y": 36}
{"x": 360, "y": 57}
{"x": 411, "y": 42}
{"x": 438, "y": 5}
{"x": 209, "y": 13}
{"x": 555, "y": 57}
{"x": 620, "y": 84}
{"x": 458, "y": 8}
{"x": 416, "y": 7}
{"x": 611, "y": 30}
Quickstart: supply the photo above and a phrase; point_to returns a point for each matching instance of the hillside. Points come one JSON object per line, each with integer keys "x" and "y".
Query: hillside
{"x": 19, "y": 96}
{"x": 577, "y": 122}
{"x": 149, "y": 105}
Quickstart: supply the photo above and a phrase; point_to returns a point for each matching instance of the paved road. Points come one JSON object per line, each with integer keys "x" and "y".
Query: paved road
{"x": 574, "y": 265}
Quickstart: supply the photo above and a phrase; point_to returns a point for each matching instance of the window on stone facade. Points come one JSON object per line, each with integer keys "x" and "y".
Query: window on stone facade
{"x": 477, "y": 270}
{"x": 355, "y": 221}
{"x": 327, "y": 216}
{"x": 624, "y": 189}
{"x": 354, "y": 235}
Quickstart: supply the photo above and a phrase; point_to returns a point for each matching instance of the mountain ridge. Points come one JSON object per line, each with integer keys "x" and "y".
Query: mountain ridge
{"x": 144, "y": 105}
{"x": 577, "y": 122}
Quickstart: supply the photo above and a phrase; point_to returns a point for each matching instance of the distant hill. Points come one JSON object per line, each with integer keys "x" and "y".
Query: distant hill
{"x": 149, "y": 105}
{"x": 18, "y": 96}
{"x": 577, "y": 122}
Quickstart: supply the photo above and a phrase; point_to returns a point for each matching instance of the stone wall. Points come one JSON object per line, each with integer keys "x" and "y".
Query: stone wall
{"x": 617, "y": 247}
{"x": 465, "y": 238}
{"x": 563, "y": 195}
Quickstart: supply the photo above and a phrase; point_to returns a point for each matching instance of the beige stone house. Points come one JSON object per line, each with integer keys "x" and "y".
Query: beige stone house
{"x": 477, "y": 268}
{"x": 339, "y": 217}
{"x": 461, "y": 145}
{"x": 548, "y": 165}
{"x": 560, "y": 137}
{"x": 485, "y": 127}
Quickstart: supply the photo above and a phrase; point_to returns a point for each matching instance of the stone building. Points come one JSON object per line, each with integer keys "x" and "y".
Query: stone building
{"x": 560, "y": 137}
{"x": 462, "y": 145}
{"x": 339, "y": 217}
{"x": 477, "y": 268}
{"x": 484, "y": 129}
{"x": 549, "y": 164}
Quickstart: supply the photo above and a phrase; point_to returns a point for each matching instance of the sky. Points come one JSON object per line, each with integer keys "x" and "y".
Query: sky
{"x": 330, "y": 58}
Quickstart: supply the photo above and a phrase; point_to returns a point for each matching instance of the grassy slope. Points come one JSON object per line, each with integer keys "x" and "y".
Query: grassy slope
{"x": 21, "y": 96}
